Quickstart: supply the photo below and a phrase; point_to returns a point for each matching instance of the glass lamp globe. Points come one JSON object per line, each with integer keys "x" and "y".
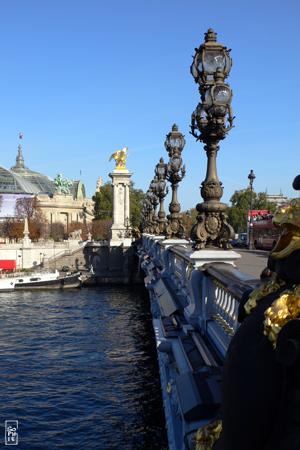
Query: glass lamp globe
{"x": 174, "y": 140}
{"x": 209, "y": 57}
{"x": 221, "y": 95}
{"x": 160, "y": 169}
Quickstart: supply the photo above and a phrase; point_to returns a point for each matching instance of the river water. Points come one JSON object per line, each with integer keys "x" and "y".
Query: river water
{"x": 78, "y": 370}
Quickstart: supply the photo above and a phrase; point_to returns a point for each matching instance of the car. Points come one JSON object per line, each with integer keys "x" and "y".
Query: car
{"x": 241, "y": 241}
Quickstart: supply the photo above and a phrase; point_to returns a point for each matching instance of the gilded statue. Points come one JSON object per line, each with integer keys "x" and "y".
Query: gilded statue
{"x": 120, "y": 158}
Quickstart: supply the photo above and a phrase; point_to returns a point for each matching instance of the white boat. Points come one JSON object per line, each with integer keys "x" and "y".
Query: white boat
{"x": 7, "y": 284}
{"x": 40, "y": 280}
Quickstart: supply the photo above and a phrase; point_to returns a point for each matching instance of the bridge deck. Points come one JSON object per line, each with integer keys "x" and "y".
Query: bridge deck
{"x": 252, "y": 261}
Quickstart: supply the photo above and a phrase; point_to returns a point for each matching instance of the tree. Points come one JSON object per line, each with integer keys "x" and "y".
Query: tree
{"x": 103, "y": 202}
{"x": 28, "y": 207}
{"x": 12, "y": 229}
{"x": 189, "y": 218}
{"x": 101, "y": 229}
{"x": 57, "y": 231}
{"x": 238, "y": 212}
{"x": 137, "y": 197}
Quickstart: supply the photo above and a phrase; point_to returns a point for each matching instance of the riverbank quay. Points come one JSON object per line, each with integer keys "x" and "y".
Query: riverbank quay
{"x": 111, "y": 264}
{"x": 194, "y": 302}
{"x": 100, "y": 262}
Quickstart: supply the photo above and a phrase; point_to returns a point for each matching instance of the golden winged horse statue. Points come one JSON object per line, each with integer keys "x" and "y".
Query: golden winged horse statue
{"x": 120, "y": 157}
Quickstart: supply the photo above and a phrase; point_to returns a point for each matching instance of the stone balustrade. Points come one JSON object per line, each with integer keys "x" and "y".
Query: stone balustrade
{"x": 195, "y": 297}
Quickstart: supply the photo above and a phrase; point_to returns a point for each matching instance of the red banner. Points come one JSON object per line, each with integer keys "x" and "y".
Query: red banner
{"x": 8, "y": 264}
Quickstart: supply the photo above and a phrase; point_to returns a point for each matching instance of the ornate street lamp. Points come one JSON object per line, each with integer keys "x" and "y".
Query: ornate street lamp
{"x": 128, "y": 230}
{"x": 145, "y": 214}
{"x": 251, "y": 178}
{"x": 211, "y": 121}
{"x": 154, "y": 202}
{"x": 161, "y": 170}
{"x": 174, "y": 144}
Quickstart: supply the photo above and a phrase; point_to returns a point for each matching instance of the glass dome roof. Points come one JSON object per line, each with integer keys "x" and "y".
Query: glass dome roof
{"x": 28, "y": 182}
{"x": 21, "y": 180}
{"x": 29, "y": 179}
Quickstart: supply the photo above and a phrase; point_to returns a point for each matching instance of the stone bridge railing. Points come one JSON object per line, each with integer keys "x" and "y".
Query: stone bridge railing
{"x": 195, "y": 298}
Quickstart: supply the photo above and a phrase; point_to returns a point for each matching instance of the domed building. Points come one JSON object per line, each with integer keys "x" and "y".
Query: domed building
{"x": 60, "y": 200}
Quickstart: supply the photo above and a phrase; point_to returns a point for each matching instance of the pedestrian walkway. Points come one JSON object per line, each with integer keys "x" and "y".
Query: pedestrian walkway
{"x": 252, "y": 261}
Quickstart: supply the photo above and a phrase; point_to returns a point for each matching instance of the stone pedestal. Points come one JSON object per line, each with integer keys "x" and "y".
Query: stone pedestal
{"x": 201, "y": 257}
{"x": 174, "y": 241}
{"x": 121, "y": 212}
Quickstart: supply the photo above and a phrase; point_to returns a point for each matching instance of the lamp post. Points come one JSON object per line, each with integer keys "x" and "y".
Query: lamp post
{"x": 154, "y": 201}
{"x": 147, "y": 212}
{"x": 144, "y": 216}
{"x": 251, "y": 178}
{"x": 174, "y": 144}
{"x": 161, "y": 190}
{"x": 128, "y": 232}
{"x": 149, "y": 218}
{"x": 211, "y": 121}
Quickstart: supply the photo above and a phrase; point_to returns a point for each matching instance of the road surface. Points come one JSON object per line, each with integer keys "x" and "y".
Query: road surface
{"x": 252, "y": 261}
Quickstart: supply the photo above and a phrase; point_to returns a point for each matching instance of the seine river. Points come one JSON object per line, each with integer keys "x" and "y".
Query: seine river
{"x": 78, "y": 370}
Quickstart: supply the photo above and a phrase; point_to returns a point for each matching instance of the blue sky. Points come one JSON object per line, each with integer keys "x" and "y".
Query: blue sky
{"x": 81, "y": 79}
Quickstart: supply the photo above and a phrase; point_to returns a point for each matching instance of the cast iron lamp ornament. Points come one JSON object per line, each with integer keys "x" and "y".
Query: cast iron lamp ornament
{"x": 251, "y": 178}
{"x": 161, "y": 191}
{"x": 211, "y": 121}
{"x": 154, "y": 202}
{"x": 144, "y": 216}
{"x": 174, "y": 144}
{"x": 128, "y": 231}
{"x": 147, "y": 213}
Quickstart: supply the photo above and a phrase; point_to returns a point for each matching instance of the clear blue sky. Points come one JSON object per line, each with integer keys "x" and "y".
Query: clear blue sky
{"x": 82, "y": 78}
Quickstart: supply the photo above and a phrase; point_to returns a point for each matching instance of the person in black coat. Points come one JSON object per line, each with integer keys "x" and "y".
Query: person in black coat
{"x": 261, "y": 378}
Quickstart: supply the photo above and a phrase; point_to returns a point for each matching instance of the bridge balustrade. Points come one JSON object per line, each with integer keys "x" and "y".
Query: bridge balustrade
{"x": 195, "y": 310}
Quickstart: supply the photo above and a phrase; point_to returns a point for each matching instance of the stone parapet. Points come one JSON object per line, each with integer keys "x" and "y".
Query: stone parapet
{"x": 194, "y": 300}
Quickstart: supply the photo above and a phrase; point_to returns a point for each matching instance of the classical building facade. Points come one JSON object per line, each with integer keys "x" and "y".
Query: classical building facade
{"x": 60, "y": 200}
{"x": 278, "y": 199}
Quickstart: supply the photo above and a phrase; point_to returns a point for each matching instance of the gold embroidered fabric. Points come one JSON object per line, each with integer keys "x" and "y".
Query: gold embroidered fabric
{"x": 282, "y": 310}
{"x": 288, "y": 220}
{"x": 262, "y": 291}
{"x": 208, "y": 435}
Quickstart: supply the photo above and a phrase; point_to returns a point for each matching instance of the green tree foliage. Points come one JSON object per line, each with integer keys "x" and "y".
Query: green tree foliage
{"x": 240, "y": 201}
{"x": 104, "y": 204}
{"x": 136, "y": 200}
